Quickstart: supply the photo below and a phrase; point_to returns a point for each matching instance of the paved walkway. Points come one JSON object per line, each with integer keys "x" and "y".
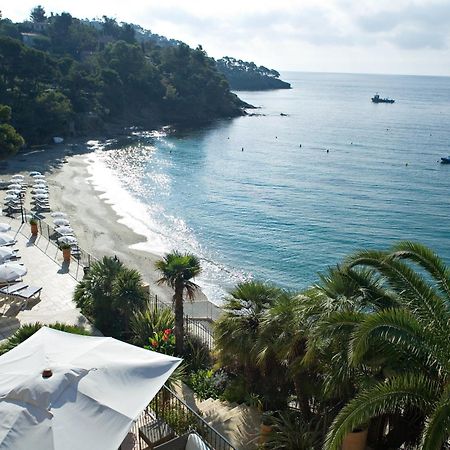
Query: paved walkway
{"x": 46, "y": 269}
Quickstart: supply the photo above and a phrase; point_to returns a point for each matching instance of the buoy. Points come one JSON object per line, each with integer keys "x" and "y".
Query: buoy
{"x": 300, "y": 145}
{"x": 328, "y": 151}
{"x": 242, "y": 149}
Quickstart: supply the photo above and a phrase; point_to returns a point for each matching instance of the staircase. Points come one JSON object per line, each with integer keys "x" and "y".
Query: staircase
{"x": 238, "y": 423}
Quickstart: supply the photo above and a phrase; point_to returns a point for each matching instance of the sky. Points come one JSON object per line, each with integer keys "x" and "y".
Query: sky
{"x": 353, "y": 36}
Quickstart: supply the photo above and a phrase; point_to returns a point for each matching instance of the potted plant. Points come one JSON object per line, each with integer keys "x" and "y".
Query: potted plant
{"x": 266, "y": 426}
{"x": 66, "y": 252}
{"x": 34, "y": 227}
{"x": 356, "y": 440}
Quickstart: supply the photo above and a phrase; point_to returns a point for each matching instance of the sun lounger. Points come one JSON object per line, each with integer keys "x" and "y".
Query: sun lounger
{"x": 23, "y": 295}
{"x": 8, "y": 244}
{"x": 28, "y": 292}
{"x": 12, "y": 288}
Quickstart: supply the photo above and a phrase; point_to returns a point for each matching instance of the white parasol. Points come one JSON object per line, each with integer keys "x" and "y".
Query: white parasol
{"x": 4, "y": 227}
{"x": 59, "y": 222}
{"x": 62, "y": 391}
{"x": 71, "y": 240}
{"x": 64, "y": 230}
{"x": 58, "y": 214}
{"x": 11, "y": 271}
{"x": 6, "y": 239}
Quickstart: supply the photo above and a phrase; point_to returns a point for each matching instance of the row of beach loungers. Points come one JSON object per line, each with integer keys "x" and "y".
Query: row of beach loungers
{"x": 14, "y": 293}
{"x": 16, "y": 191}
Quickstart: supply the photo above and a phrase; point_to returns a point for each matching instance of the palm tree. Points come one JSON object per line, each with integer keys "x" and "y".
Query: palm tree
{"x": 237, "y": 332}
{"x": 177, "y": 270}
{"x": 409, "y": 341}
{"x": 108, "y": 294}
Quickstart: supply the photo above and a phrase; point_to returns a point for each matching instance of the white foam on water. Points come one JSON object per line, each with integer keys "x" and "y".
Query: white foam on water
{"x": 133, "y": 213}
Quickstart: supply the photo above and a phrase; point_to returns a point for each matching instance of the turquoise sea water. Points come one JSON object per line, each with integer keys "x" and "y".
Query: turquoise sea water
{"x": 280, "y": 212}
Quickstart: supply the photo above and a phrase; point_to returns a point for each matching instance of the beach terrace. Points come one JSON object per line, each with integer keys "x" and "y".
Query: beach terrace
{"x": 45, "y": 269}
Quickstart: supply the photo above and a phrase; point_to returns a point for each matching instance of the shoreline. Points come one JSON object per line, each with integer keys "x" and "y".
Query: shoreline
{"x": 99, "y": 228}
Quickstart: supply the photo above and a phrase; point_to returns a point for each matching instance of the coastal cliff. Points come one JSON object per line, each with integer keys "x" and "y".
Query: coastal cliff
{"x": 247, "y": 76}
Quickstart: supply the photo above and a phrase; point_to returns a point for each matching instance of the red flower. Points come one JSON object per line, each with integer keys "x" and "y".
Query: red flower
{"x": 154, "y": 344}
{"x": 165, "y": 337}
{"x": 167, "y": 331}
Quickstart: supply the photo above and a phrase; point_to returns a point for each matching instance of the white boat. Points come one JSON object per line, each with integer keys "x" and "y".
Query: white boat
{"x": 58, "y": 140}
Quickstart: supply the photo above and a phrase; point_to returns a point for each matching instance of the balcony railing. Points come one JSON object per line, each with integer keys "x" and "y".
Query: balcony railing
{"x": 169, "y": 409}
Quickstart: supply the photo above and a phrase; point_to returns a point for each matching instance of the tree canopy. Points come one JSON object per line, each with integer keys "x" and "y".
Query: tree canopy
{"x": 63, "y": 76}
{"x": 243, "y": 75}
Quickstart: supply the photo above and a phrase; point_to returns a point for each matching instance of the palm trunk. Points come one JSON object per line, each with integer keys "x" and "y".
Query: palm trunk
{"x": 179, "y": 318}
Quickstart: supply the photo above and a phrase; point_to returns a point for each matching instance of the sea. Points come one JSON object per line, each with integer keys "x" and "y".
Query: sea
{"x": 313, "y": 174}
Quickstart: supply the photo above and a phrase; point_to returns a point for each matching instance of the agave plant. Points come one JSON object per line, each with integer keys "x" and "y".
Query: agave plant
{"x": 409, "y": 340}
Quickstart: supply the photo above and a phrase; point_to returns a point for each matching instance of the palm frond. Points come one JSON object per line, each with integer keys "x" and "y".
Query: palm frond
{"x": 413, "y": 288}
{"x": 393, "y": 396}
{"x": 427, "y": 259}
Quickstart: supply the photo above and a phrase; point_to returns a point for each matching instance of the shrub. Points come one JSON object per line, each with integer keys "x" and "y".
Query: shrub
{"x": 148, "y": 321}
{"x": 25, "y": 331}
{"x": 207, "y": 383}
{"x": 236, "y": 391}
{"x": 196, "y": 353}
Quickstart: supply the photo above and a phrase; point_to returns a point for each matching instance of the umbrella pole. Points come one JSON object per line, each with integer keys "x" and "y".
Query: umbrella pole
{"x": 21, "y": 210}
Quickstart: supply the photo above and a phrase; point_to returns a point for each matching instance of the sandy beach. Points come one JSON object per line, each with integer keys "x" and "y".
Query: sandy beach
{"x": 97, "y": 226}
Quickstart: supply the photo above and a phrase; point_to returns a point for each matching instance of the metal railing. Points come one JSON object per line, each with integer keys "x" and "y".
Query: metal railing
{"x": 196, "y": 328}
{"x": 80, "y": 257}
{"x": 193, "y": 326}
{"x": 181, "y": 418}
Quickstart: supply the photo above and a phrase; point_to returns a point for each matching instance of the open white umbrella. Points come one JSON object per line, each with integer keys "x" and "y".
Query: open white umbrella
{"x": 11, "y": 271}
{"x": 34, "y": 173}
{"x": 62, "y": 391}
{"x": 67, "y": 240}
{"x": 17, "y": 177}
{"x": 59, "y": 222}
{"x": 14, "y": 186}
{"x": 6, "y": 239}
{"x": 11, "y": 197}
{"x": 58, "y": 214}
{"x": 39, "y": 177}
{"x": 6, "y": 253}
{"x": 4, "y": 227}
{"x": 64, "y": 230}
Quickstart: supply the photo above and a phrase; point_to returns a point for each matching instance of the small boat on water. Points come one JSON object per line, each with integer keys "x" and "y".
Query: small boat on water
{"x": 445, "y": 159}
{"x": 377, "y": 99}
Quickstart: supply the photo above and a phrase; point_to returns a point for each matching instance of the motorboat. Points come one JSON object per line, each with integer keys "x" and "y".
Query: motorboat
{"x": 377, "y": 99}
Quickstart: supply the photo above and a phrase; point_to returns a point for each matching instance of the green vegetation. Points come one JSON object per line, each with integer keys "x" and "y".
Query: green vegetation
{"x": 364, "y": 349}
{"x": 109, "y": 294}
{"x": 177, "y": 270}
{"x": 247, "y": 76}
{"x": 148, "y": 321}
{"x": 25, "y": 331}
{"x": 10, "y": 140}
{"x": 64, "y": 76}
